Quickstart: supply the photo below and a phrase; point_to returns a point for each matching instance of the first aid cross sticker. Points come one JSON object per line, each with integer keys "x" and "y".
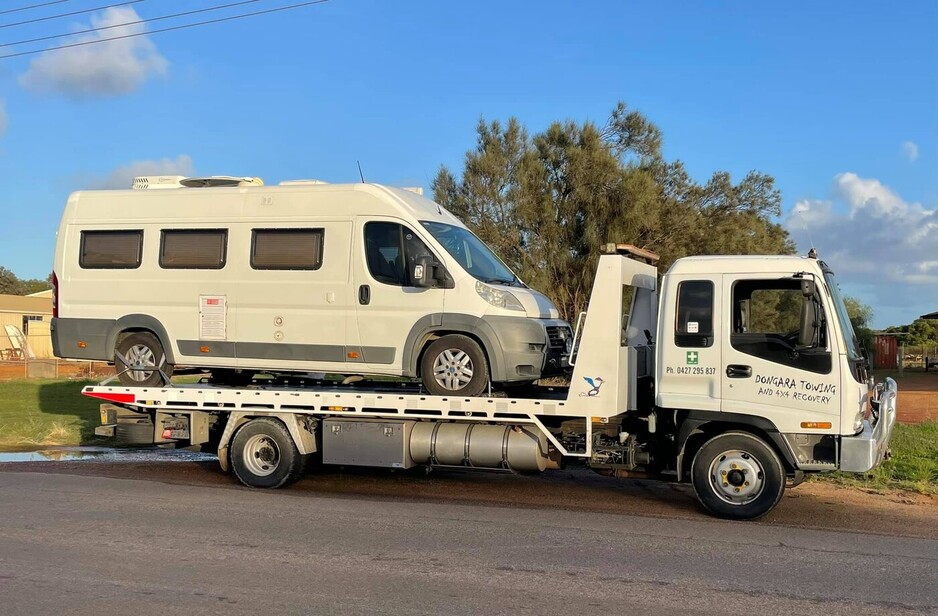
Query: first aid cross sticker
{"x": 692, "y": 358}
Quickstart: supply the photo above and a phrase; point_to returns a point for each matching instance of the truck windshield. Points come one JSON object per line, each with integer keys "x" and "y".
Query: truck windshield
{"x": 471, "y": 253}
{"x": 850, "y": 337}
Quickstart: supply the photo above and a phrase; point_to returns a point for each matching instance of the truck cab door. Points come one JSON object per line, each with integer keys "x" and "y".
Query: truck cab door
{"x": 767, "y": 371}
{"x": 689, "y": 352}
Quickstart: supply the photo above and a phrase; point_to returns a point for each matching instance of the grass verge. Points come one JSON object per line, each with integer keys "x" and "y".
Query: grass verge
{"x": 913, "y": 466}
{"x": 36, "y": 413}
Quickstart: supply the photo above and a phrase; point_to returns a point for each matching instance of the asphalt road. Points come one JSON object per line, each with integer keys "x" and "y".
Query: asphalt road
{"x": 72, "y": 544}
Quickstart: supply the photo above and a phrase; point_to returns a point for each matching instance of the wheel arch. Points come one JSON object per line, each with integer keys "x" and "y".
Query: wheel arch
{"x": 699, "y": 427}
{"x": 133, "y": 323}
{"x": 303, "y": 430}
{"x": 431, "y": 327}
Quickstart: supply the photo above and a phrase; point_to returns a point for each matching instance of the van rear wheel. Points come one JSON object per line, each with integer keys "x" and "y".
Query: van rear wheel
{"x": 454, "y": 365}
{"x": 141, "y": 349}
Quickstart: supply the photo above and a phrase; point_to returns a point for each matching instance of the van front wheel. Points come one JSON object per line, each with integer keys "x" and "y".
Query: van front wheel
{"x": 141, "y": 349}
{"x": 454, "y": 365}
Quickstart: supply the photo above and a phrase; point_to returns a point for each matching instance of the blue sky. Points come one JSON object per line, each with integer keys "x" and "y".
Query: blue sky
{"x": 837, "y": 100}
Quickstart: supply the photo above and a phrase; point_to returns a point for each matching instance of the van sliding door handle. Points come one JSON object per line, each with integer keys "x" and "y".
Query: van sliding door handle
{"x": 364, "y": 295}
{"x": 737, "y": 371}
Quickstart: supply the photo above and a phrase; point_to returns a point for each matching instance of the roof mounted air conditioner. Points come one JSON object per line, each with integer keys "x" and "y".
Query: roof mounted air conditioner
{"x": 217, "y": 181}
{"x": 152, "y": 182}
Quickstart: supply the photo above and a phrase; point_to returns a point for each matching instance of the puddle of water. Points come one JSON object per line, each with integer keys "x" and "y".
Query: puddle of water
{"x": 105, "y": 454}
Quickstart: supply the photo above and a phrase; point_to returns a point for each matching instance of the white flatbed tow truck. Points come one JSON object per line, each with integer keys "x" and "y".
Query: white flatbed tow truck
{"x": 707, "y": 392}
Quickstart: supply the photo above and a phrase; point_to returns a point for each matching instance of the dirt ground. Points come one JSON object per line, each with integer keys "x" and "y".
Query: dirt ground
{"x": 918, "y": 396}
{"x": 810, "y": 505}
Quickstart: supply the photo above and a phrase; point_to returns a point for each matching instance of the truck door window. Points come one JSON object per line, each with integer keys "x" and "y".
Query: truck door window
{"x": 766, "y": 319}
{"x": 391, "y": 251}
{"x": 111, "y": 249}
{"x": 694, "y": 327}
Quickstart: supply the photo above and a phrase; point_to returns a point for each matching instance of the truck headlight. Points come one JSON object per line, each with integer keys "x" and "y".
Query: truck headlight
{"x": 497, "y": 297}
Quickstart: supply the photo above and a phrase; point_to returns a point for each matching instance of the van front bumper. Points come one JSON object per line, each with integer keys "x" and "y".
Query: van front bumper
{"x": 866, "y": 450}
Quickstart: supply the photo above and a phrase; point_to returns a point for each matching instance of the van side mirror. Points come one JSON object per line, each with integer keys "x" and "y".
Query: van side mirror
{"x": 808, "y": 287}
{"x": 807, "y": 332}
{"x": 424, "y": 272}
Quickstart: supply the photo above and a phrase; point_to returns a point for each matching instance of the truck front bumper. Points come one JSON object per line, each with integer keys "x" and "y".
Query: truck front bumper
{"x": 866, "y": 450}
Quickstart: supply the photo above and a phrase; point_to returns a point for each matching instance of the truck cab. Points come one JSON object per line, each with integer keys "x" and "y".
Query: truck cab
{"x": 762, "y": 344}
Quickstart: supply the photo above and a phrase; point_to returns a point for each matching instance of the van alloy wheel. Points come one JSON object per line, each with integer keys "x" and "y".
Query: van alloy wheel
{"x": 453, "y": 369}
{"x": 141, "y": 349}
{"x": 454, "y": 364}
{"x": 140, "y": 355}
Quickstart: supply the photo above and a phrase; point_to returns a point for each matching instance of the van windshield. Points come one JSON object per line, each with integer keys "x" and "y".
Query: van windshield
{"x": 471, "y": 253}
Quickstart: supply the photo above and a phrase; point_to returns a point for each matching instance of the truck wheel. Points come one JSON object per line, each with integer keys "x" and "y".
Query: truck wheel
{"x": 141, "y": 348}
{"x": 454, "y": 365}
{"x": 263, "y": 455}
{"x": 738, "y": 476}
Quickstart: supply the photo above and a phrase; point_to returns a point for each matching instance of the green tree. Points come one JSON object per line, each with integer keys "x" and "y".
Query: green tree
{"x": 9, "y": 283}
{"x": 861, "y": 316}
{"x": 922, "y": 332}
{"x": 546, "y": 202}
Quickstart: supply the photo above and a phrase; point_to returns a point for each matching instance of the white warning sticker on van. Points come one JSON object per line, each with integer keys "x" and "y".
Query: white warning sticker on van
{"x": 213, "y": 317}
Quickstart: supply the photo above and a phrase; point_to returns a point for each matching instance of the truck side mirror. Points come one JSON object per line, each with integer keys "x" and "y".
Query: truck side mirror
{"x": 424, "y": 272}
{"x": 807, "y": 332}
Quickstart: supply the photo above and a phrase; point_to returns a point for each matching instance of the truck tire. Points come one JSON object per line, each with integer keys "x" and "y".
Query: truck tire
{"x": 141, "y": 348}
{"x": 454, "y": 365}
{"x": 263, "y": 455}
{"x": 738, "y": 476}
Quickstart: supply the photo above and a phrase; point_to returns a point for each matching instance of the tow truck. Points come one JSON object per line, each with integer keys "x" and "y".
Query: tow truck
{"x": 737, "y": 374}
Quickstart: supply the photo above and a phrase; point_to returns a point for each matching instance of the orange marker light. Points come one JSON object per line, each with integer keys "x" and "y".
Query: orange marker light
{"x": 82, "y": 344}
{"x": 205, "y": 349}
{"x": 352, "y": 355}
{"x": 816, "y": 425}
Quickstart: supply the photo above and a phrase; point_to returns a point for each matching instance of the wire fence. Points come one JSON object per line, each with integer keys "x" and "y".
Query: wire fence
{"x": 13, "y": 369}
{"x": 916, "y": 355}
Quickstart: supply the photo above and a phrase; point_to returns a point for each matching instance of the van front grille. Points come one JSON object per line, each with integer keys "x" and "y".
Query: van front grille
{"x": 558, "y": 335}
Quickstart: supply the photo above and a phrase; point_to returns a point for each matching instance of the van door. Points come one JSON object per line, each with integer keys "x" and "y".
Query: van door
{"x": 388, "y": 303}
{"x": 766, "y": 372}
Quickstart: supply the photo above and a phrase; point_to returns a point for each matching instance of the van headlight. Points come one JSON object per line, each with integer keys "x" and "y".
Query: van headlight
{"x": 498, "y": 297}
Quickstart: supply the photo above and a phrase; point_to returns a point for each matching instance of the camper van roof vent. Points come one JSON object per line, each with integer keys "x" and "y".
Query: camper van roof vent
{"x": 302, "y": 182}
{"x": 151, "y": 182}
{"x": 216, "y": 181}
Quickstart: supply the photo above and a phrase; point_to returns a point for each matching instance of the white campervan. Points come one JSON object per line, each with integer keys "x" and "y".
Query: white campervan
{"x": 234, "y": 276}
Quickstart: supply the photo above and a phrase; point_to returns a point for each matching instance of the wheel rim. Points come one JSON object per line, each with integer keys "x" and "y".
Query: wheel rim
{"x": 453, "y": 369}
{"x": 737, "y": 477}
{"x": 261, "y": 455}
{"x": 140, "y": 355}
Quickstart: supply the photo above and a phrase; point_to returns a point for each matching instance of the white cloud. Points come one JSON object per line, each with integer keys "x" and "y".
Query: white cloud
{"x": 878, "y": 243}
{"x": 4, "y": 120}
{"x": 122, "y": 177}
{"x": 910, "y": 150}
{"x": 103, "y": 69}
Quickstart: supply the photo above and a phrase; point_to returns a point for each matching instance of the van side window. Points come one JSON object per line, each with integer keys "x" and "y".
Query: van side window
{"x": 286, "y": 249}
{"x": 111, "y": 249}
{"x": 694, "y": 327}
{"x": 193, "y": 248}
{"x": 391, "y": 251}
{"x": 766, "y": 319}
